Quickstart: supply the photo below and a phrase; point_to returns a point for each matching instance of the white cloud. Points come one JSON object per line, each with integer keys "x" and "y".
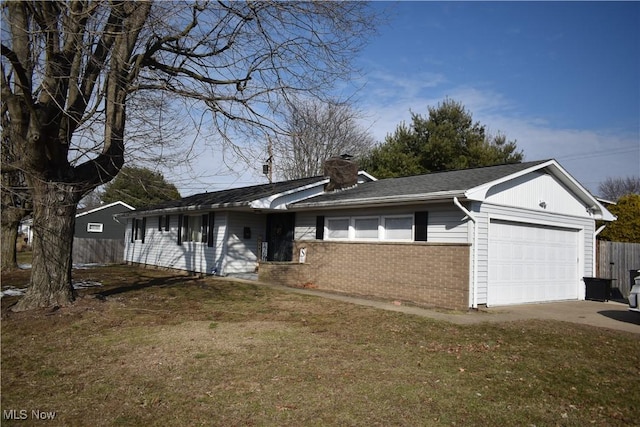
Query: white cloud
{"x": 589, "y": 155}
{"x": 386, "y": 100}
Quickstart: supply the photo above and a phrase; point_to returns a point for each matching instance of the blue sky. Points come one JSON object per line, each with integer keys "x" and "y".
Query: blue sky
{"x": 560, "y": 78}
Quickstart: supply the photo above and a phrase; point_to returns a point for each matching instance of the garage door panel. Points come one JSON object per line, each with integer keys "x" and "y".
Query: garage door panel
{"x": 531, "y": 263}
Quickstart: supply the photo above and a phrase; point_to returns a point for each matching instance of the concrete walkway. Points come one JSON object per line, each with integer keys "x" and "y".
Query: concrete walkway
{"x": 610, "y": 314}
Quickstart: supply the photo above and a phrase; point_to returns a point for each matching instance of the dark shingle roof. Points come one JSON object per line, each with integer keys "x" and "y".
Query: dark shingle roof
{"x": 235, "y": 196}
{"x": 451, "y": 181}
{"x": 433, "y": 183}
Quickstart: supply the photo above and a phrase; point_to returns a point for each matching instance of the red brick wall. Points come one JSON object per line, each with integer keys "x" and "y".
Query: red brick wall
{"x": 428, "y": 274}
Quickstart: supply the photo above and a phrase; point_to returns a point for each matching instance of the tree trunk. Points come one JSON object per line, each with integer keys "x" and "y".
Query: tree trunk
{"x": 8, "y": 257}
{"x": 54, "y": 211}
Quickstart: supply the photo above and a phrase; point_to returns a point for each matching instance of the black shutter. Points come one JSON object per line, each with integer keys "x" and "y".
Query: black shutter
{"x": 133, "y": 230}
{"x": 180, "y": 217}
{"x": 167, "y": 222}
{"x": 421, "y": 222}
{"x": 210, "y": 230}
{"x": 159, "y": 222}
{"x": 320, "y": 227}
{"x": 144, "y": 228}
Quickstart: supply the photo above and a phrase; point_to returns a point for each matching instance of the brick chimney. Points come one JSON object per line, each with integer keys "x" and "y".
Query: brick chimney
{"x": 342, "y": 172}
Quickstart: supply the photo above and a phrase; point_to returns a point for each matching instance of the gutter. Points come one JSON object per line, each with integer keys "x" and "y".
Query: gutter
{"x": 474, "y": 282}
{"x": 359, "y": 202}
{"x": 181, "y": 209}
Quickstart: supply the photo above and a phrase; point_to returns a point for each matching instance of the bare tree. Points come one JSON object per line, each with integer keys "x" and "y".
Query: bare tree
{"x": 614, "y": 188}
{"x": 15, "y": 205}
{"x": 72, "y": 72}
{"x": 316, "y": 131}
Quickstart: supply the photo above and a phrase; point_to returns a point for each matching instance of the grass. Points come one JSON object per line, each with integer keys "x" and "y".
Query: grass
{"x": 23, "y": 257}
{"x": 160, "y": 348}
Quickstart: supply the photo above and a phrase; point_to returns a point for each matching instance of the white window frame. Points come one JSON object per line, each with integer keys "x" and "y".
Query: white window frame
{"x": 411, "y": 218}
{"x": 381, "y": 219}
{"x": 95, "y": 227}
{"x": 364, "y": 218}
{"x": 327, "y": 230}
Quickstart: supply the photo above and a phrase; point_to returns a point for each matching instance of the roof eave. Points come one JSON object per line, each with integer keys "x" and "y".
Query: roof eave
{"x": 99, "y": 208}
{"x": 265, "y": 202}
{"x": 377, "y": 201}
{"x": 598, "y": 210}
{"x": 479, "y": 192}
{"x": 182, "y": 209}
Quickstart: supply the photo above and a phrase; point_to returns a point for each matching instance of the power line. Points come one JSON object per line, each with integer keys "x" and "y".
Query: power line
{"x": 600, "y": 153}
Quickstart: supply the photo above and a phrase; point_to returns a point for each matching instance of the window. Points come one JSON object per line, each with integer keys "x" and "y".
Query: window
{"x": 338, "y": 228}
{"x": 196, "y": 228}
{"x": 138, "y": 226}
{"x": 192, "y": 229}
{"x": 398, "y": 228}
{"x": 95, "y": 227}
{"x": 163, "y": 222}
{"x": 365, "y": 228}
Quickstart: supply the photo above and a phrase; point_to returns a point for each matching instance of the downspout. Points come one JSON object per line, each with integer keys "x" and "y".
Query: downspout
{"x": 474, "y": 282}
{"x": 595, "y": 248}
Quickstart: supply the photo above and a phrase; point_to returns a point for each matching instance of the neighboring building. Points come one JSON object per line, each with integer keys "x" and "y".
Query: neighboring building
{"x": 91, "y": 223}
{"x": 25, "y": 232}
{"x": 99, "y": 223}
{"x": 497, "y": 235}
{"x": 98, "y": 236}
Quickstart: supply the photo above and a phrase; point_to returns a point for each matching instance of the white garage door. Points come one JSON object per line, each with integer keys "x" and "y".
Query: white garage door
{"x": 531, "y": 263}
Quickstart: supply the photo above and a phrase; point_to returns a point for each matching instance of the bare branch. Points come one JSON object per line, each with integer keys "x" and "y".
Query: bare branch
{"x": 20, "y": 73}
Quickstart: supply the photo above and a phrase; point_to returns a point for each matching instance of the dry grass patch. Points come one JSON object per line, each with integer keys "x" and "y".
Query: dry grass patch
{"x": 160, "y": 348}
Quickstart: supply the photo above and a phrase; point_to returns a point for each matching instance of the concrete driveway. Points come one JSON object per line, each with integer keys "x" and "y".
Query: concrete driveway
{"x": 610, "y": 314}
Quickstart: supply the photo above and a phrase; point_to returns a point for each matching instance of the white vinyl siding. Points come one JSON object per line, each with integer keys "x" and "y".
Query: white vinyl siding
{"x": 446, "y": 224}
{"x": 537, "y": 191}
{"x": 242, "y": 253}
{"x": 305, "y": 227}
{"x": 230, "y": 253}
{"x": 161, "y": 248}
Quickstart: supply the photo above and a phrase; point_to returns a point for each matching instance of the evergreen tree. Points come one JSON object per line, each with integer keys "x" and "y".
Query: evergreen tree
{"x": 447, "y": 139}
{"x": 139, "y": 187}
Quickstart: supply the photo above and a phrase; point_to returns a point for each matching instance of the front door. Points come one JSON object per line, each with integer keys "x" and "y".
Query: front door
{"x": 280, "y": 232}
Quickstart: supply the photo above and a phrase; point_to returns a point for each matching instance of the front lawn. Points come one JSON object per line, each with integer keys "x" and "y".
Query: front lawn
{"x": 161, "y": 348}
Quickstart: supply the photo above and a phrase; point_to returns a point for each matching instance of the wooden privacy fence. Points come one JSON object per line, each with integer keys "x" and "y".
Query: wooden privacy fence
{"x": 99, "y": 251}
{"x": 615, "y": 260}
